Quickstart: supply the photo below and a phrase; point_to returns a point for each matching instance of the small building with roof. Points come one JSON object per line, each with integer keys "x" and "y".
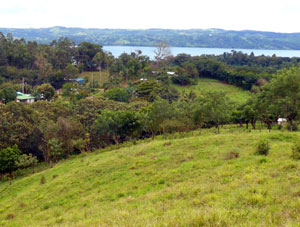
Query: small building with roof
{"x": 79, "y": 80}
{"x": 27, "y": 98}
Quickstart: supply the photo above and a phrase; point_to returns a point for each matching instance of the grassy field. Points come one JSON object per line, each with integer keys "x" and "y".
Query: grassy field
{"x": 235, "y": 94}
{"x": 95, "y": 76}
{"x": 192, "y": 181}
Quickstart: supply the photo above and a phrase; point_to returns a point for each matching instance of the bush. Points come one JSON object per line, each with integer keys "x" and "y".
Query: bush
{"x": 118, "y": 94}
{"x": 232, "y": 155}
{"x": 182, "y": 80}
{"x": 263, "y": 147}
{"x": 43, "y": 180}
{"x": 8, "y": 159}
{"x": 279, "y": 127}
{"x": 26, "y": 161}
{"x": 296, "y": 151}
{"x": 294, "y": 128}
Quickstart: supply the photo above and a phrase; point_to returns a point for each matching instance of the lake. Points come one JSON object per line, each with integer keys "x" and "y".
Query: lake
{"x": 195, "y": 51}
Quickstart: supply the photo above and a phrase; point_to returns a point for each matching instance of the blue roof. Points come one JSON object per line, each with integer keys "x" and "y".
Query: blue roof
{"x": 80, "y": 80}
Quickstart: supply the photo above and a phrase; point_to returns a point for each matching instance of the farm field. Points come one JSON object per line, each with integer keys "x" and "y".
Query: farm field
{"x": 95, "y": 76}
{"x": 200, "y": 180}
{"x": 234, "y": 93}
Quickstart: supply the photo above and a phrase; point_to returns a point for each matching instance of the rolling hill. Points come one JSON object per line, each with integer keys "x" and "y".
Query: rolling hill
{"x": 200, "y": 180}
{"x": 208, "y": 38}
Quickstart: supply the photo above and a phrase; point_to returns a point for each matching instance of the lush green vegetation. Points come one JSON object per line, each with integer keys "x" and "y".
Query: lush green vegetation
{"x": 186, "y": 155}
{"x": 98, "y": 78}
{"x": 181, "y": 38}
{"x": 207, "y": 180}
{"x": 131, "y": 97}
{"x": 210, "y": 85}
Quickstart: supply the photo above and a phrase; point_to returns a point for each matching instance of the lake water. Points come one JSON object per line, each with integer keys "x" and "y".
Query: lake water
{"x": 195, "y": 51}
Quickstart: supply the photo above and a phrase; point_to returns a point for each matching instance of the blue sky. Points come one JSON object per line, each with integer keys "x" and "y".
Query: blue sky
{"x": 263, "y": 15}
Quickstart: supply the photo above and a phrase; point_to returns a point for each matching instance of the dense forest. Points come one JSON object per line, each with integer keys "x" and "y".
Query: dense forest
{"x": 138, "y": 100}
{"x": 216, "y": 38}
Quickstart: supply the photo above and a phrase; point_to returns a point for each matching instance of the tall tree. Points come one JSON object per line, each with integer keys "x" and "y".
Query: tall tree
{"x": 283, "y": 94}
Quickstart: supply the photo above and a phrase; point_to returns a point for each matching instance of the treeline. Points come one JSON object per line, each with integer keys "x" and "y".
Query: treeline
{"x": 53, "y": 63}
{"x": 237, "y": 68}
{"x": 52, "y": 131}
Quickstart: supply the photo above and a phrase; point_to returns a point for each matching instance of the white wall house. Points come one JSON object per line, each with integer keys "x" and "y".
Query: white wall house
{"x": 24, "y": 98}
{"x": 281, "y": 121}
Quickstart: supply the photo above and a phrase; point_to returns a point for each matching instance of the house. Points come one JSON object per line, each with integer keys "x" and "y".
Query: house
{"x": 281, "y": 121}
{"x": 79, "y": 80}
{"x": 24, "y": 98}
{"x": 171, "y": 73}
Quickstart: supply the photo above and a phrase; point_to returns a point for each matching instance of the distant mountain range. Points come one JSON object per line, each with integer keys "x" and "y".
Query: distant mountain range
{"x": 209, "y": 38}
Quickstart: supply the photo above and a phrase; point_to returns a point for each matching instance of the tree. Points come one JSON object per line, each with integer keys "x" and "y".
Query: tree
{"x": 8, "y": 159}
{"x": 68, "y": 130}
{"x": 17, "y": 123}
{"x": 118, "y": 94}
{"x": 217, "y": 108}
{"x": 182, "y": 80}
{"x": 165, "y": 92}
{"x": 45, "y": 91}
{"x": 71, "y": 71}
{"x": 44, "y": 67}
{"x": 8, "y": 94}
{"x": 154, "y": 115}
{"x": 199, "y": 113}
{"x": 80, "y": 144}
{"x": 117, "y": 125}
{"x": 55, "y": 147}
{"x": 69, "y": 89}
{"x": 64, "y": 52}
{"x": 282, "y": 94}
{"x": 248, "y": 112}
{"x": 86, "y": 54}
{"x": 144, "y": 89}
{"x": 162, "y": 52}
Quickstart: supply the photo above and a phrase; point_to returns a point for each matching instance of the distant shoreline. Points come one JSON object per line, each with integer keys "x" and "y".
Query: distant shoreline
{"x": 196, "y": 51}
{"x": 193, "y": 38}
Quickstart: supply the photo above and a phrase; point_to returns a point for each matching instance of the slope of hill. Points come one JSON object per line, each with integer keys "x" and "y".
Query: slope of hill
{"x": 234, "y": 93}
{"x": 216, "y": 38}
{"x": 195, "y": 181}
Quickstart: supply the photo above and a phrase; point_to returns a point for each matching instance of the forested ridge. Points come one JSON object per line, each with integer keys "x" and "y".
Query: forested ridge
{"x": 209, "y": 38}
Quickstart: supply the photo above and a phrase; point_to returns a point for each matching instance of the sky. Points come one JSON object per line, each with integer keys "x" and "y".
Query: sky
{"x": 261, "y": 15}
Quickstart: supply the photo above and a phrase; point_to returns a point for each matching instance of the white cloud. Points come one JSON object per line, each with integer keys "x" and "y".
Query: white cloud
{"x": 275, "y": 15}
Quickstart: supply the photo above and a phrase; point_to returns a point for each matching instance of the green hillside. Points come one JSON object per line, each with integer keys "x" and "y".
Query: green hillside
{"x": 193, "y": 181}
{"x": 234, "y": 93}
{"x": 212, "y": 38}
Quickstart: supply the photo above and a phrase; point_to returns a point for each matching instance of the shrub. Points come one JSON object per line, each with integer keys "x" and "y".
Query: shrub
{"x": 182, "y": 80}
{"x": 118, "y": 94}
{"x": 232, "y": 155}
{"x": 263, "y": 160}
{"x": 43, "y": 180}
{"x": 10, "y": 216}
{"x": 263, "y": 147}
{"x": 294, "y": 126}
{"x": 8, "y": 159}
{"x": 25, "y": 161}
{"x": 296, "y": 151}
